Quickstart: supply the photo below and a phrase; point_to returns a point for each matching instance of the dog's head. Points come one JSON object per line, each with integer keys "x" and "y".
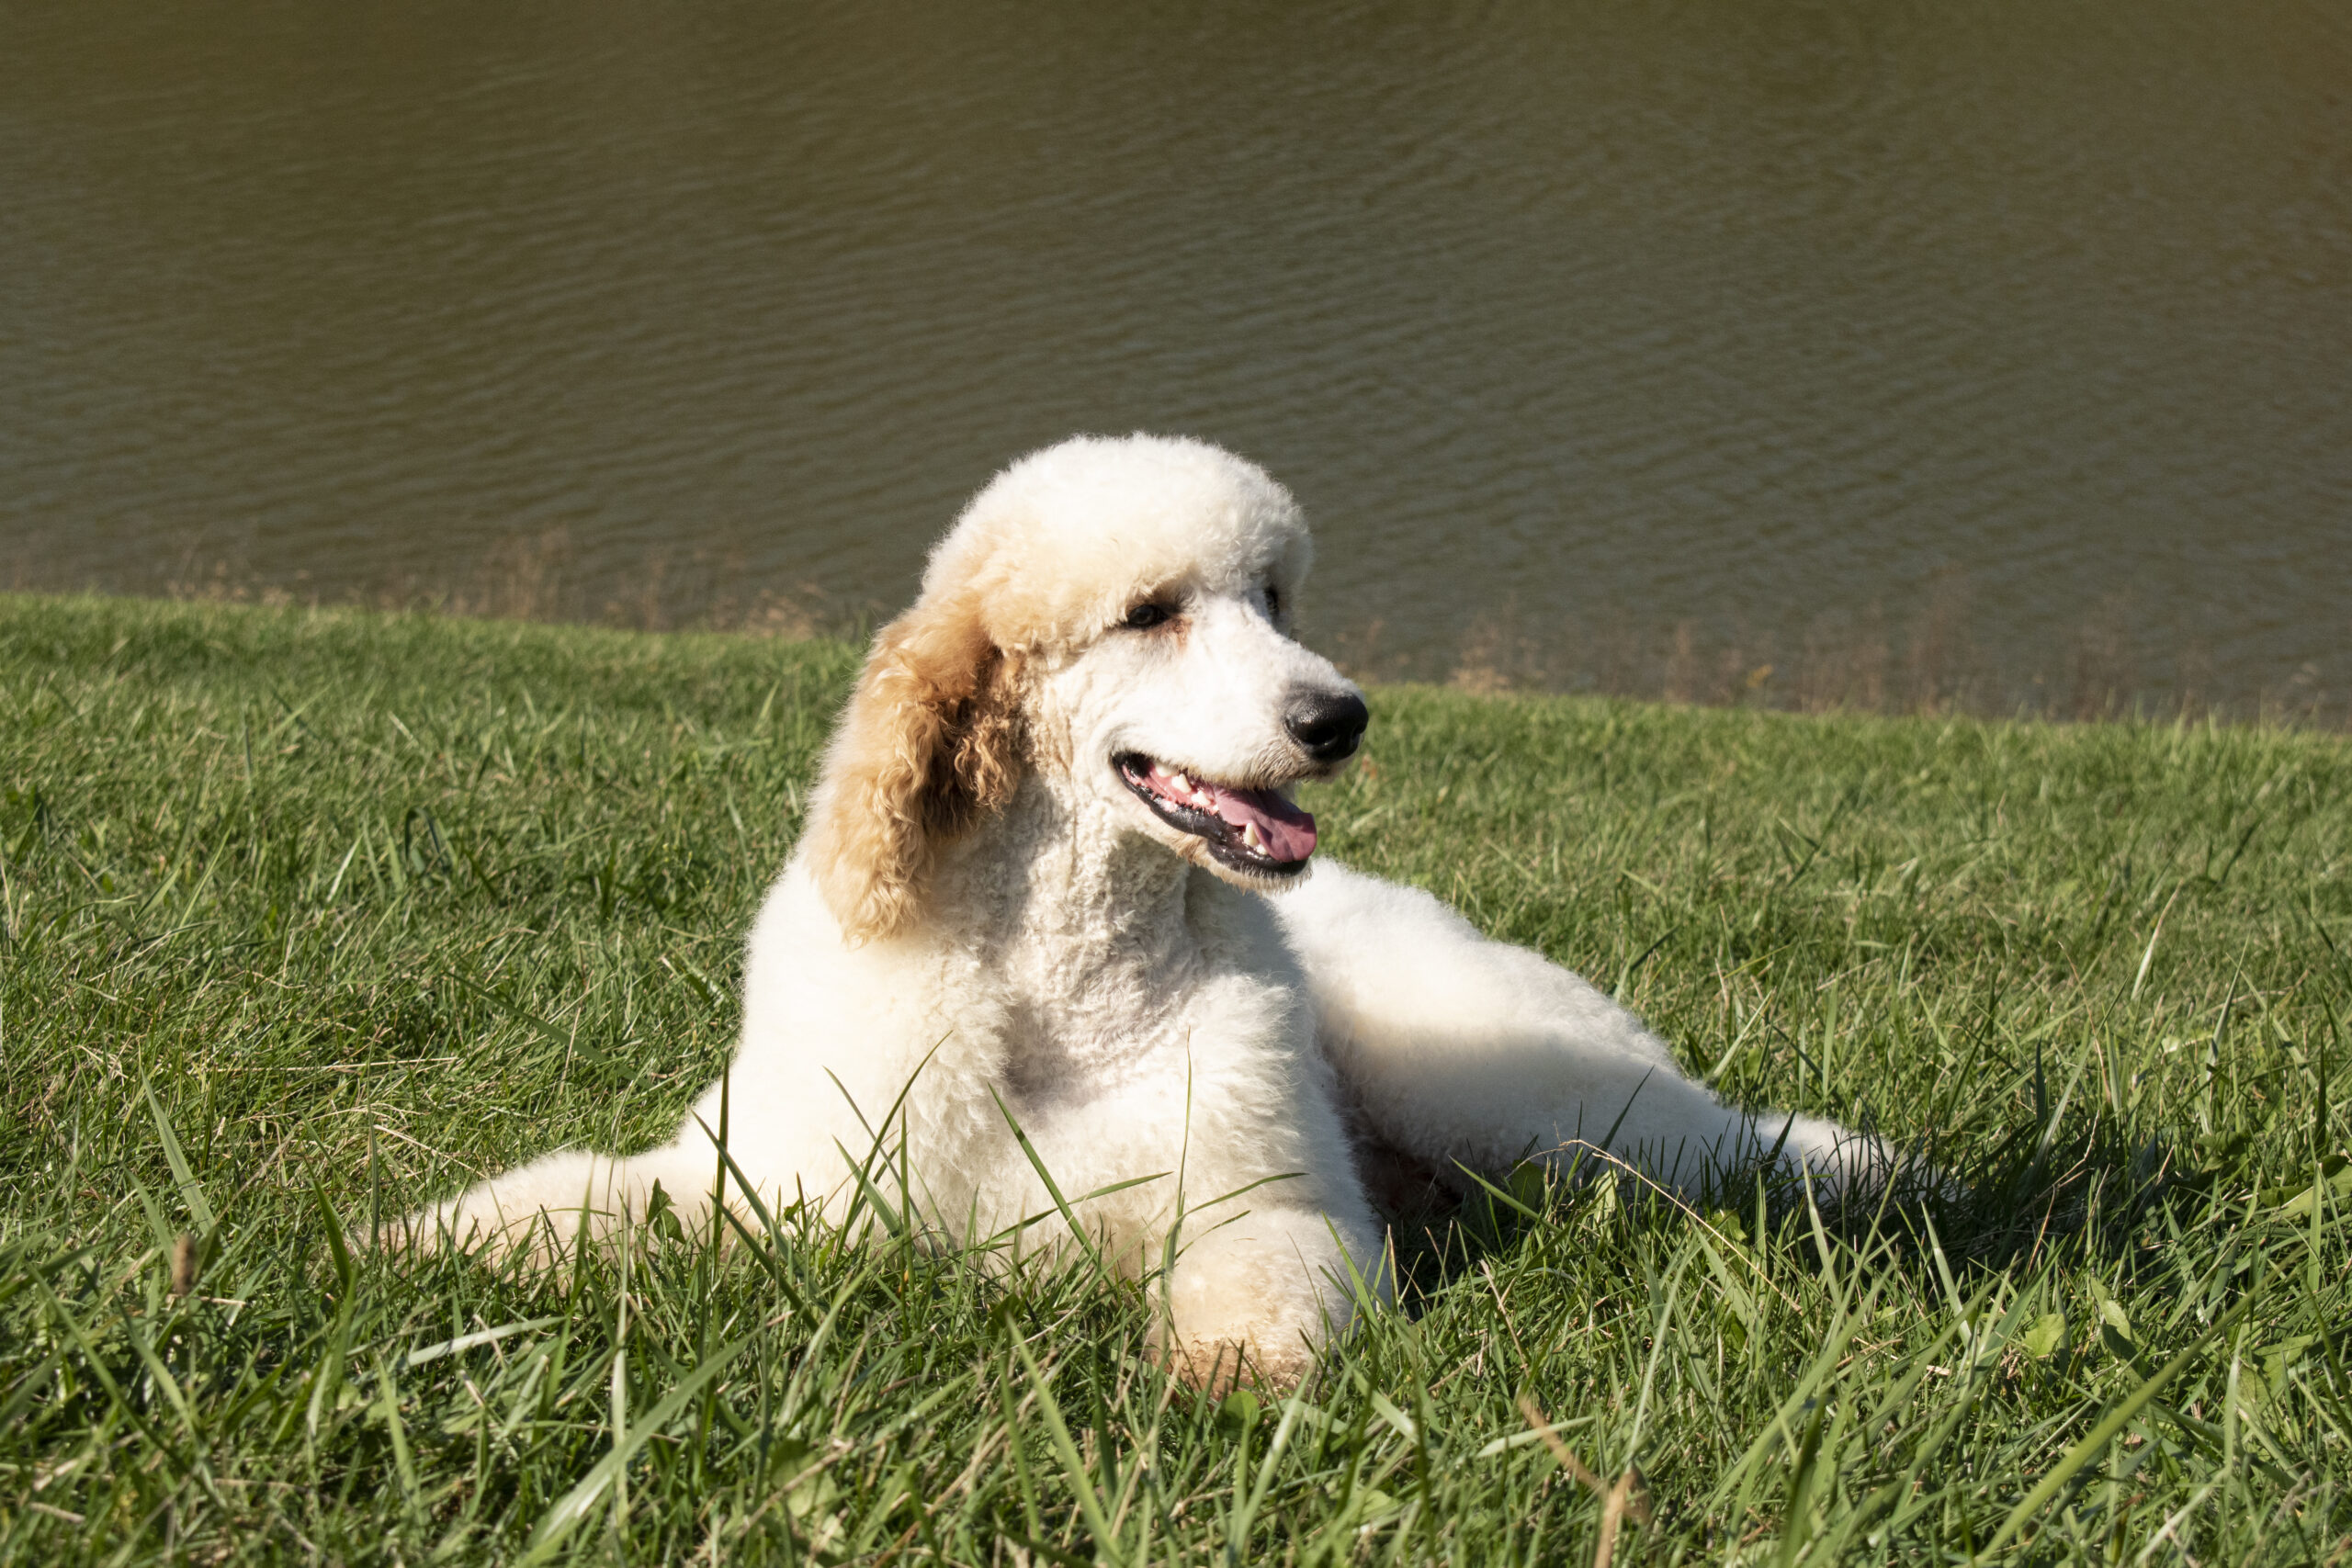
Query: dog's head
{"x": 1114, "y": 611}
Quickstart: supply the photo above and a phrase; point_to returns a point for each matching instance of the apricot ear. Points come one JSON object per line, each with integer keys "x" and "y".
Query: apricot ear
{"x": 932, "y": 740}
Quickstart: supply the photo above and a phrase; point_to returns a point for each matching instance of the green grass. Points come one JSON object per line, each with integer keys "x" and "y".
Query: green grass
{"x": 306, "y": 917}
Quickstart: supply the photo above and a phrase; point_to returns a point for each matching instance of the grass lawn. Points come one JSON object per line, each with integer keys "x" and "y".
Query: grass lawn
{"x": 305, "y": 918}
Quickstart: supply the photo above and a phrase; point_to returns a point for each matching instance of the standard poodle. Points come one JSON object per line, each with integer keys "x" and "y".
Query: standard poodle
{"x": 1051, "y": 951}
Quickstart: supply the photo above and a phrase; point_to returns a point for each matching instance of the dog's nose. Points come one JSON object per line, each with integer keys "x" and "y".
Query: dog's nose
{"x": 1327, "y": 724}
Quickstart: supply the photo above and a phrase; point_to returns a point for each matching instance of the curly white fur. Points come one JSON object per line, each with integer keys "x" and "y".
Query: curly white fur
{"x": 986, "y": 924}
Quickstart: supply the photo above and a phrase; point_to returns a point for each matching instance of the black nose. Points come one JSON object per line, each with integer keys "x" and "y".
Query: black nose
{"x": 1328, "y": 724}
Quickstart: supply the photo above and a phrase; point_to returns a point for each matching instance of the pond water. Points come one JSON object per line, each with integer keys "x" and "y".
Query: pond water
{"x": 1794, "y": 353}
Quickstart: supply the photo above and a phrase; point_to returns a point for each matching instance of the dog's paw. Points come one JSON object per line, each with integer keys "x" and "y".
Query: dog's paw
{"x": 1217, "y": 1367}
{"x": 464, "y": 1229}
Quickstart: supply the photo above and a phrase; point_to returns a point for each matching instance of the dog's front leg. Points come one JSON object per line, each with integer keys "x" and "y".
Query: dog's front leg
{"x": 1252, "y": 1301}
{"x": 557, "y": 1202}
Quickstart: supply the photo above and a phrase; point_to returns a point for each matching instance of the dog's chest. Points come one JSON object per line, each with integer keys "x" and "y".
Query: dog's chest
{"x": 1132, "y": 991}
{"x": 1082, "y": 1024}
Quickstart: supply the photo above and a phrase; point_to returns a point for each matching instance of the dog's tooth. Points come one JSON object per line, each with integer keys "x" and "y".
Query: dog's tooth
{"x": 1181, "y": 783}
{"x": 1250, "y": 837}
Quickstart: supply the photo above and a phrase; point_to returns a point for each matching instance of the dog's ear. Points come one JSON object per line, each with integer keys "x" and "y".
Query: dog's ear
{"x": 932, "y": 740}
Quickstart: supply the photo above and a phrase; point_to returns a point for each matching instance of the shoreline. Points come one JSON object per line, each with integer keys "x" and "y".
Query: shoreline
{"x": 1870, "y": 675}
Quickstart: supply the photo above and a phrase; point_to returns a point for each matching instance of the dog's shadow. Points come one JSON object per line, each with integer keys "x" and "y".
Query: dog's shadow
{"x": 2017, "y": 1202}
{"x": 1442, "y": 1228}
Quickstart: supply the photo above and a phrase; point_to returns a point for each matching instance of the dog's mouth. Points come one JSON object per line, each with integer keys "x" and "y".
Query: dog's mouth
{"x": 1248, "y": 829}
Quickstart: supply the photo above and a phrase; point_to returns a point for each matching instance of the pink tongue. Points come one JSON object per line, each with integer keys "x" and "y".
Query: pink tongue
{"x": 1285, "y": 832}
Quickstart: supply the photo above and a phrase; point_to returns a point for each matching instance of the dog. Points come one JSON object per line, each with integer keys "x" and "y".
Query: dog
{"x": 1054, "y": 926}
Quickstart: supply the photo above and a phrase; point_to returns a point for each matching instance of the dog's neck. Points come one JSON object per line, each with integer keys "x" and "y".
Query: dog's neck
{"x": 1054, "y": 876}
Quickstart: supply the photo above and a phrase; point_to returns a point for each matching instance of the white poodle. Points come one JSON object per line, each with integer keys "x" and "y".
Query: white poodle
{"x": 1052, "y": 880}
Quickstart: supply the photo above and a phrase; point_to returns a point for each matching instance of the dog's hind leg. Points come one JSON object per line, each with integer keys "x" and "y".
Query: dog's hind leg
{"x": 1460, "y": 1051}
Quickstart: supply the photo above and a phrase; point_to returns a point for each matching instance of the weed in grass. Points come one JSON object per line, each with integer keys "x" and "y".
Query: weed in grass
{"x": 304, "y": 916}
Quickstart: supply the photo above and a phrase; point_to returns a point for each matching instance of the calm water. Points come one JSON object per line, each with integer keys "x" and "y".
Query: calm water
{"x": 2006, "y": 346}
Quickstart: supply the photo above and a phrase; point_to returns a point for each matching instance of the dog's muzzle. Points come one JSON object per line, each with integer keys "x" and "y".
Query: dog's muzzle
{"x": 1248, "y": 829}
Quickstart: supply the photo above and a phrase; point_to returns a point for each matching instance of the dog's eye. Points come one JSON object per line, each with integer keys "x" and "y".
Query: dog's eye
{"x": 1145, "y": 616}
{"x": 1273, "y": 602}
